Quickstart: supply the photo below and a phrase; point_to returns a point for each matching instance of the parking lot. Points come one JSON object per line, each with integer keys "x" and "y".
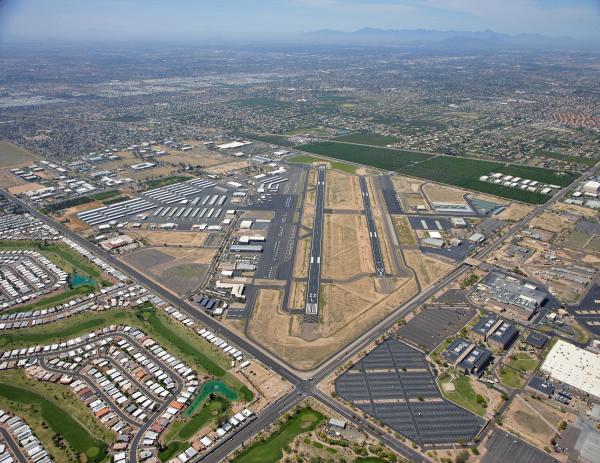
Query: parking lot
{"x": 435, "y": 323}
{"x": 394, "y": 384}
{"x": 587, "y": 312}
{"x": 502, "y": 447}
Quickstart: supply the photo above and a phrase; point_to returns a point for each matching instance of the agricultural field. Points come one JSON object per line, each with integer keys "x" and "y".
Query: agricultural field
{"x": 14, "y": 156}
{"x": 306, "y": 159}
{"x": 460, "y": 172}
{"x": 367, "y": 138}
{"x": 381, "y": 158}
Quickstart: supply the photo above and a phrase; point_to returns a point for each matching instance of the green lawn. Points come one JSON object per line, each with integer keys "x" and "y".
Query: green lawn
{"x": 511, "y": 378}
{"x": 270, "y": 451}
{"x": 164, "y": 181}
{"x": 105, "y": 195}
{"x": 367, "y": 138}
{"x": 215, "y": 410}
{"x": 522, "y": 361}
{"x": 61, "y": 422}
{"x": 306, "y": 159}
{"x": 174, "y": 448}
{"x": 69, "y": 260}
{"x": 464, "y": 395}
{"x": 55, "y": 299}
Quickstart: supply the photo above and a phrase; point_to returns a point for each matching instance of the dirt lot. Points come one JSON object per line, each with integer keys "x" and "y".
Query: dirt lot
{"x": 404, "y": 231}
{"x": 534, "y": 420}
{"x": 443, "y": 194}
{"x": 270, "y": 385}
{"x": 346, "y": 247}
{"x": 515, "y": 212}
{"x": 297, "y": 298}
{"x": 180, "y": 270}
{"x": 427, "y": 268}
{"x": 15, "y": 190}
{"x": 574, "y": 209}
{"x": 551, "y": 222}
{"x": 406, "y": 184}
{"x": 148, "y": 174}
{"x": 171, "y": 238}
{"x": 342, "y": 191}
{"x": 229, "y": 167}
{"x": 493, "y": 397}
{"x": 348, "y": 310}
{"x": 302, "y": 257}
{"x": 14, "y": 156}
{"x": 74, "y": 223}
{"x": 7, "y": 179}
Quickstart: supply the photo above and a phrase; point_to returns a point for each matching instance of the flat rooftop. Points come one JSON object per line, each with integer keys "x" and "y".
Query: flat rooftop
{"x": 574, "y": 366}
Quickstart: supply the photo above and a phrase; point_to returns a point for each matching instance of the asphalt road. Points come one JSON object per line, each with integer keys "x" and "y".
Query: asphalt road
{"x": 314, "y": 270}
{"x": 375, "y": 245}
{"x": 13, "y": 446}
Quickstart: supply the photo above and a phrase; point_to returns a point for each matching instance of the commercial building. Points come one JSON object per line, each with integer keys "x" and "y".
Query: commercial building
{"x": 496, "y": 331}
{"x": 524, "y": 297}
{"x": 574, "y": 367}
{"x": 467, "y": 356}
{"x": 591, "y": 188}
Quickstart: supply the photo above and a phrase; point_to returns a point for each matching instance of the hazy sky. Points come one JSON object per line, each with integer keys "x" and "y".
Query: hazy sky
{"x": 198, "y": 19}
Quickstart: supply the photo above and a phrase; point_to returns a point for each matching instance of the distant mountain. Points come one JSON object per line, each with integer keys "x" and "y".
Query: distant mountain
{"x": 372, "y": 36}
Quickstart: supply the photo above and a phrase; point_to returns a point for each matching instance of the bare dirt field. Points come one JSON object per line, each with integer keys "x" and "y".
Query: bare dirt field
{"x": 443, "y": 194}
{"x": 12, "y": 155}
{"x": 7, "y": 179}
{"x": 155, "y": 172}
{"x": 574, "y": 209}
{"x": 342, "y": 191}
{"x": 492, "y": 396}
{"x": 228, "y": 167}
{"x": 535, "y": 421}
{"x": 406, "y": 184}
{"x": 346, "y": 247}
{"x": 515, "y": 212}
{"x": 74, "y": 223}
{"x": 297, "y": 298}
{"x": 549, "y": 221}
{"x": 404, "y": 231}
{"x": 428, "y": 269}
{"x": 15, "y": 190}
{"x": 302, "y": 257}
{"x": 171, "y": 238}
{"x": 180, "y": 270}
{"x": 196, "y": 158}
{"x": 269, "y": 385}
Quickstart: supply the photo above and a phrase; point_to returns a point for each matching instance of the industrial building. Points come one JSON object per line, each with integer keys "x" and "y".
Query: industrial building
{"x": 575, "y": 367}
{"x": 496, "y": 331}
{"x": 467, "y": 356}
{"x": 524, "y": 297}
{"x": 536, "y": 340}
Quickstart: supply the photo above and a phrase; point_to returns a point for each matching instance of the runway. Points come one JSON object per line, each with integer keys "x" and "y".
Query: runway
{"x": 314, "y": 270}
{"x": 375, "y": 245}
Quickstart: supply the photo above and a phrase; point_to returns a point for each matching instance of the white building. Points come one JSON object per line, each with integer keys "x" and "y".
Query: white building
{"x": 574, "y": 366}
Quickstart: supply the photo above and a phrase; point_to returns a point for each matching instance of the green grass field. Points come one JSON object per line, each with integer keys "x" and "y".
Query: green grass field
{"x": 105, "y": 195}
{"x": 171, "y": 450}
{"x": 511, "y": 378}
{"x": 522, "y": 361}
{"x": 381, "y": 158}
{"x": 464, "y": 395}
{"x": 55, "y": 299}
{"x": 270, "y": 451}
{"x": 12, "y": 155}
{"x": 460, "y": 172}
{"x": 61, "y": 422}
{"x": 305, "y": 159}
{"x": 164, "y": 181}
{"x": 265, "y": 138}
{"x": 367, "y": 138}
